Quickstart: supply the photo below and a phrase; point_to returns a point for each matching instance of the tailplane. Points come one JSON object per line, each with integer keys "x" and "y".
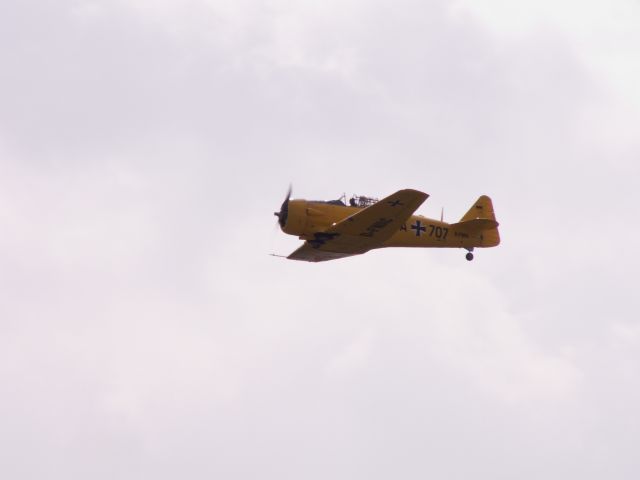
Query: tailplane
{"x": 480, "y": 220}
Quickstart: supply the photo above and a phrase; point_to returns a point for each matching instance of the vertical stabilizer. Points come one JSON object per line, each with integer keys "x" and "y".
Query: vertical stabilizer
{"x": 482, "y": 219}
{"x": 483, "y": 208}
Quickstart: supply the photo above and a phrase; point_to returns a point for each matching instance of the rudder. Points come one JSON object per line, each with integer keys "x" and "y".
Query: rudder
{"x": 483, "y": 208}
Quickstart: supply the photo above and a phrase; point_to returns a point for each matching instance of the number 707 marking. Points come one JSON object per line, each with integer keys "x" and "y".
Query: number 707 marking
{"x": 439, "y": 232}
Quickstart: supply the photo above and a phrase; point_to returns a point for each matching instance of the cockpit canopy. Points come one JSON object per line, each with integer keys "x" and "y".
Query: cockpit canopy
{"x": 361, "y": 201}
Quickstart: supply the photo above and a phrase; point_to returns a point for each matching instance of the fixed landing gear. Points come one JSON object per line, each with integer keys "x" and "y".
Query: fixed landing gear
{"x": 469, "y": 256}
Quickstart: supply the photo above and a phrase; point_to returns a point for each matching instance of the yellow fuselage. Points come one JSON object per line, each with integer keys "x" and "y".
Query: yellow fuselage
{"x": 305, "y": 218}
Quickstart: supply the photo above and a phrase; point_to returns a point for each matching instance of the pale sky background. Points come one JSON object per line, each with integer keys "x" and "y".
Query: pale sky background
{"x": 146, "y": 333}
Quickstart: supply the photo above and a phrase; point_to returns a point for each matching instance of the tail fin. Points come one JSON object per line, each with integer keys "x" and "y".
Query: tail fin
{"x": 483, "y": 208}
{"x": 481, "y": 220}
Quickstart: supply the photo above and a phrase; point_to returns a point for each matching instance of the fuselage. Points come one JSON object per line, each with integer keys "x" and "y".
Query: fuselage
{"x": 305, "y": 218}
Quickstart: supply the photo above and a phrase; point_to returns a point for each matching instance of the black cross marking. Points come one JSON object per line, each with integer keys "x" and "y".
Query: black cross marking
{"x": 395, "y": 203}
{"x": 418, "y": 228}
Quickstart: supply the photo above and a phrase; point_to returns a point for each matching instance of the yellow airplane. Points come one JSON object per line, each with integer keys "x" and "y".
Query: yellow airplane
{"x": 332, "y": 229}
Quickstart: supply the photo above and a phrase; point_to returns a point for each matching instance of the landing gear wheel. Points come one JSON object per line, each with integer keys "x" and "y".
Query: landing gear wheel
{"x": 469, "y": 256}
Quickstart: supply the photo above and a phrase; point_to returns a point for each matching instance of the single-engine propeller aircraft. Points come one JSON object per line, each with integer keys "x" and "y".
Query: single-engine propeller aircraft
{"x": 332, "y": 229}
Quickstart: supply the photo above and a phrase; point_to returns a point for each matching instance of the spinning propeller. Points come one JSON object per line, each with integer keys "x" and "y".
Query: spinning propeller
{"x": 284, "y": 210}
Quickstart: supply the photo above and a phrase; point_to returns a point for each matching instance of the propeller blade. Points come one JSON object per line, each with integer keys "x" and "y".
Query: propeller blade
{"x": 284, "y": 209}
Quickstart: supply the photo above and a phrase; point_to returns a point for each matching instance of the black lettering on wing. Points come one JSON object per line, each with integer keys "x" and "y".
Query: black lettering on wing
{"x": 375, "y": 227}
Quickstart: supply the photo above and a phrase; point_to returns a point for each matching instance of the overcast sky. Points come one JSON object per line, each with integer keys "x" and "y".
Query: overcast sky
{"x": 146, "y": 333}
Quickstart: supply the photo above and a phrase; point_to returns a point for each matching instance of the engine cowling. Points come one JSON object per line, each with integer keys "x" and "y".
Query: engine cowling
{"x": 296, "y": 219}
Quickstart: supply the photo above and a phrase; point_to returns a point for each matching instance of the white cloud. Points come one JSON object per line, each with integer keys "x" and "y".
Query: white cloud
{"x": 603, "y": 35}
{"x": 353, "y": 357}
{"x": 145, "y": 146}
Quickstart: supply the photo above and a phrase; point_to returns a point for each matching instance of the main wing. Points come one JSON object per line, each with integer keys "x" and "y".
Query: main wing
{"x": 362, "y": 231}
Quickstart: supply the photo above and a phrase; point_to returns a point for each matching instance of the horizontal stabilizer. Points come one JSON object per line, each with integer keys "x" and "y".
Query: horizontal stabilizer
{"x": 475, "y": 226}
{"x": 479, "y": 223}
